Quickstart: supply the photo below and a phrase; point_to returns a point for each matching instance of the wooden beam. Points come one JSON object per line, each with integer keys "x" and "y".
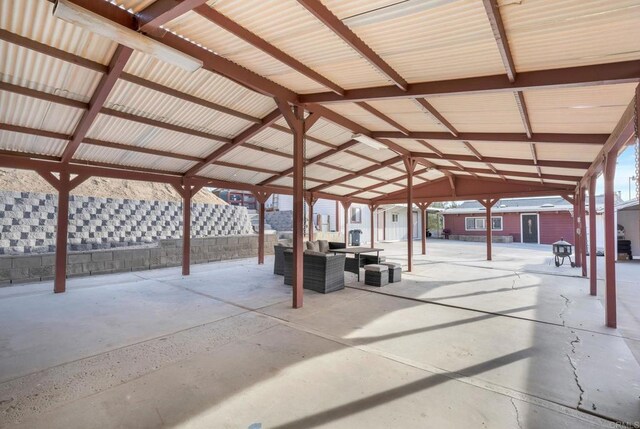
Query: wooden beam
{"x": 162, "y": 11}
{"x": 425, "y": 106}
{"x": 499, "y": 33}
{"x": 375, "y": 112}
{"x": 508, "y": 161}
{"x": 350, "y": 38}
{"x": 264, "y": 46}
{"x": 505, "y": 138}
{"x": 569, "y": 77}
{"x": 108, "y": 81}
{"x": 241, "y": 138}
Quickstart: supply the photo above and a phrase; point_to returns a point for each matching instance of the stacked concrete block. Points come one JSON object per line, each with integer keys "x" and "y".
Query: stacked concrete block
{"x": 280, "y": 220}
{"x": 28, "y": 222}
{"x": 165, "y": 253}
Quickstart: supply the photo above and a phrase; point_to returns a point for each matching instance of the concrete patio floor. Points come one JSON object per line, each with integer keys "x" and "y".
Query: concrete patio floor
{"x": 460, "y": 342}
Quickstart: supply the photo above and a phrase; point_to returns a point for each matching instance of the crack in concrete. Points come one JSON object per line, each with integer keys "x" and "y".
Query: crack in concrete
{"x": 564, "y": 309}
{"x": 513, "y": 285}
{"x": 515, "y": 407}
{"x": 574, "y": 367}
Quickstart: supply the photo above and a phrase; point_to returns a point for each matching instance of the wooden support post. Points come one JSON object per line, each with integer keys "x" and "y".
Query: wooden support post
{"x": 593, "y": 263}
{"x": 337, "y": 216}
{"x": 372, "y": 210}
{"x": 576, "y": 229}
{"x": 62, "y": 231}
{"x": 261, "y": 198}
{"x": 489, "y": 225}
{"x": 583, "y": 232}
{"x": 610, "y": 238}
{"x": 187, "y": 190}
{"x": 424, "y": 219}
{"x": 295, "y": 120}
{"x": 311, "y": 201}
{"x": 410, "y": 165}
{"x": 64, "y": 184}
{"x": 345, "y": 206}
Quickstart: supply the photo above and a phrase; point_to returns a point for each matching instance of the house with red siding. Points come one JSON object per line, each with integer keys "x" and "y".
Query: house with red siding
{"x": 541, "y": 220}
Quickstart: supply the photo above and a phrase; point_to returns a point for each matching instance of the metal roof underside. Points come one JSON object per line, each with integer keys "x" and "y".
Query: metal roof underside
{"x": 158, "y": 118}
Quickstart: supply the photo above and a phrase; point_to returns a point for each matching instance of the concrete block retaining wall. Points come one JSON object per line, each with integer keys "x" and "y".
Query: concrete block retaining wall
{"x": 28, "y": 222}
{"x": 165, "y": 253}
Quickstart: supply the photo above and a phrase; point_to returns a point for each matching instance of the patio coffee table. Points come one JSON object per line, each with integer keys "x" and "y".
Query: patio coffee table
{"x": 357, "y": 251}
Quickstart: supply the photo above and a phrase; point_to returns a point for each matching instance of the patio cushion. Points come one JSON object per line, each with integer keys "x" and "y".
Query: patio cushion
{"x": 376, "y": 267}
{"x": 313, "y": 245}
{"x": 323, "y": 246}
{"x": 391, "y": 264}
{"x": 313, "y": 252}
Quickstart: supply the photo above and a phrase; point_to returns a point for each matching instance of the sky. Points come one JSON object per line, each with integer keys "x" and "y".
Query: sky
{"x": 625, "y": 169}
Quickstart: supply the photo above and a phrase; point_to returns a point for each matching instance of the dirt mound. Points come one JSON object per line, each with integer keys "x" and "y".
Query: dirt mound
{"x": 29, "y": 181}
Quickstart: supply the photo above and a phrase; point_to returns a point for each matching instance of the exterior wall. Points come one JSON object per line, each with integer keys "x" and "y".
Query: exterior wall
{"x": 556, "y": 225}
{"x": 166, "y": 253}
{"x": 28, "y": 222}
{"x": 398, "y": 230}
{"x": 553, "y": 226}
{"x": 630, "y": 219}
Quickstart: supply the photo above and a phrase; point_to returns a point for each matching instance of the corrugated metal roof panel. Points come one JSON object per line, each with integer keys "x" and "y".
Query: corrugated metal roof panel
{"x": 411, "y": 145}
{"x": 30, "y": 112}
{"x": 447, "y": 41}
{"x": 34, "y": 19}
{"x": 451, "y": 147}
{"x": 497, "y": 112}
{"x": 347, "y": 161}
{"x": 26, "y": 68}
{"x": 200, "y": 30}
{"x": 109, "y": 128}
{"x": 338, "y": 190}
{"x": 131, "y": 159}
{"x": 233, "y": 174}
{"x": 19, "y": 142}
{"x": 141, "y": 101}
{"x": 387, "y": 173}
{"x": 253, "y": 158}
{"x": 562, "y": 171}
{"x": 547, "y": 35}
{"x": 595, "y": 109}
{"x": 361, "y": 182}
{"x": 504, "y": 150}
{"x": 323, "y": 173}
{"x": 408, "y": 114}
{"x": 569, "y": 152}
{"x": 202, "y": 84}
{"x": 329, "y": 132}
{"x": 291, "y": 28}
{"x": 133, "y": 5}
{"x": 360, "y": 116}
{"x": 367, "y": 195}
{"x": 377, "y": 154}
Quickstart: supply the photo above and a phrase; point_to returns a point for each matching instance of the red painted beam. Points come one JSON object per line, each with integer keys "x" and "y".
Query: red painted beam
{"x": 375, "y": 112}
{"x": 428, "y": 108}
{"x": 598, "y": 74}
{"x": 108, "y": 81}
{"x": 506, "y": 138}
{"x": 162, "y": 11}
{"x": 499, "y": 33}
{"x": 261, "y": 44}
{"x": 508, "y": 161}
{"x": 325, "y": 16}
{"x": 610, "y": 239}
{"x": 593, "y": 263}
{"x": 241, "y": 138}
{"x": 357, "y": 174}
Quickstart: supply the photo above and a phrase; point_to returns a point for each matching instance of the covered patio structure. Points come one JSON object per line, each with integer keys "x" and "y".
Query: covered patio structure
{"x": 337, "y": 100}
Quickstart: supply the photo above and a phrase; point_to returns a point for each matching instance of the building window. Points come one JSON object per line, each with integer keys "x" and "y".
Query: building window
{"x": 356, "y": 215}
{"x": 478, "y": 223}
{"x": 394, "y": 217}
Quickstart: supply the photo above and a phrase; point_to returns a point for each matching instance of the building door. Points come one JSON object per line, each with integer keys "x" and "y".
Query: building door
{"x": 529, "y": 228}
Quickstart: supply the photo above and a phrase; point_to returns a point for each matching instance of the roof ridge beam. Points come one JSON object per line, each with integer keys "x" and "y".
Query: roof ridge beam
{"x": 162, "y": 11}
{"x": 562, "y": 138}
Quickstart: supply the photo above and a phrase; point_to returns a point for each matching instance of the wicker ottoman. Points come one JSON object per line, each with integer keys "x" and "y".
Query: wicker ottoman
{"x": 395, "y": 271}
{"x": 376, "y": 275}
